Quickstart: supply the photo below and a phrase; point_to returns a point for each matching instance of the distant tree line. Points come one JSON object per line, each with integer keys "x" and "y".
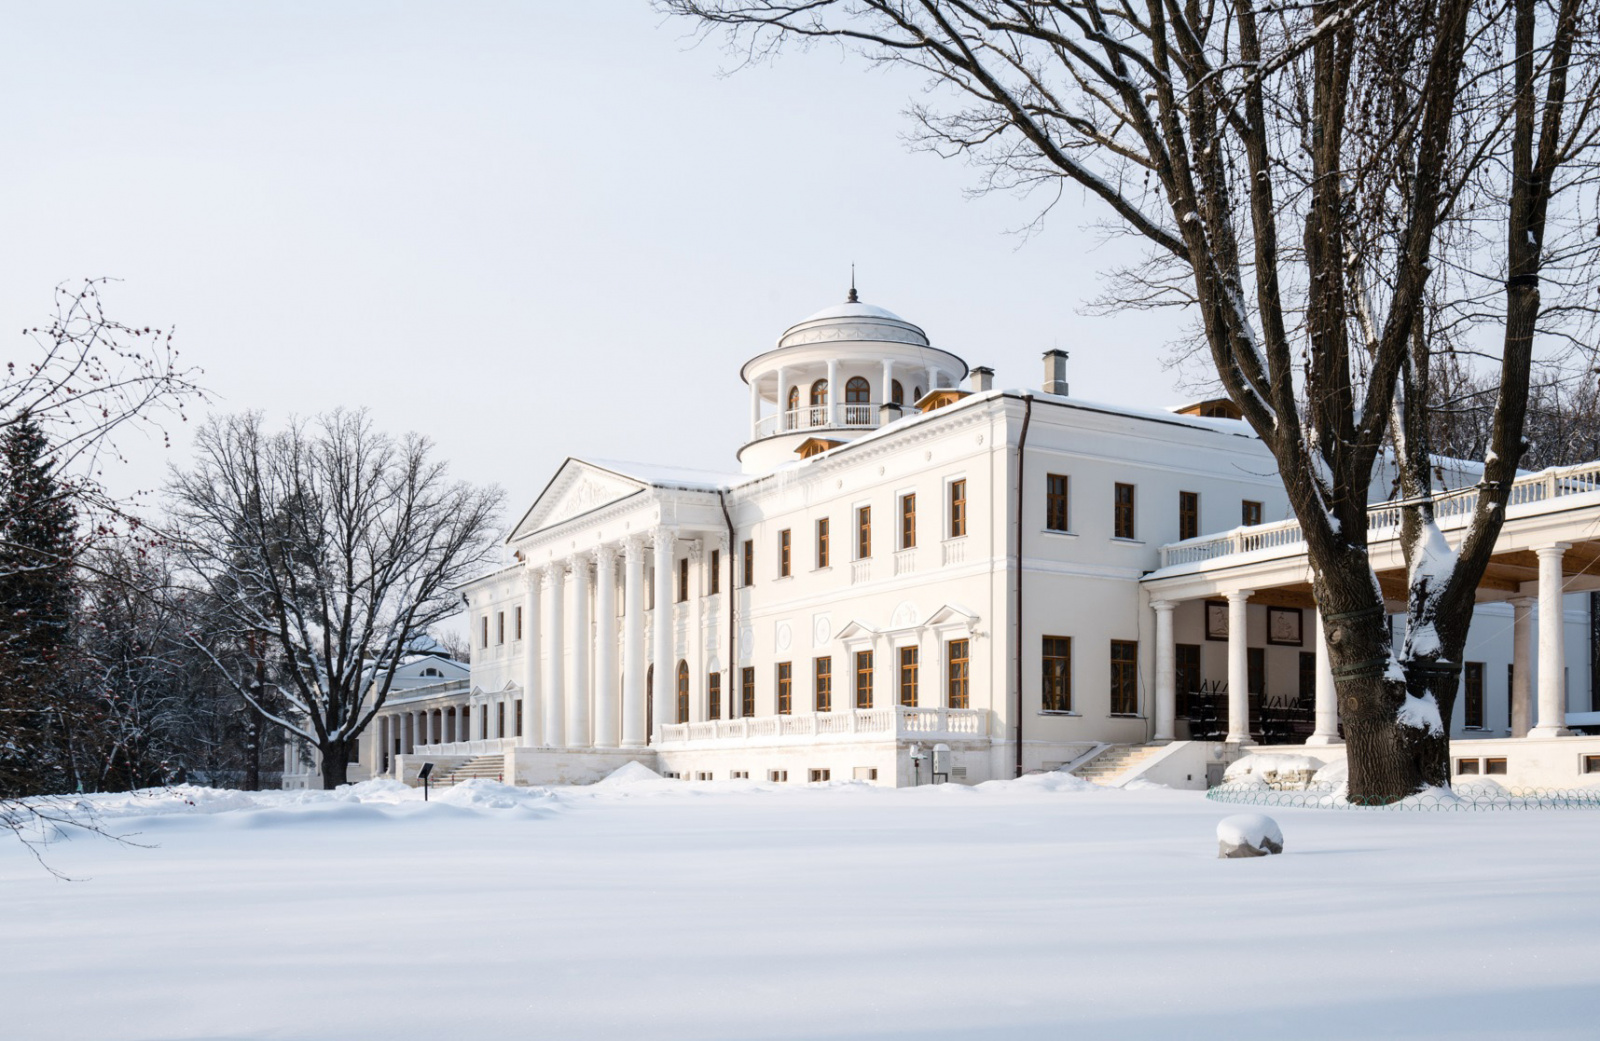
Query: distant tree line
{"x": 293, "y": 572}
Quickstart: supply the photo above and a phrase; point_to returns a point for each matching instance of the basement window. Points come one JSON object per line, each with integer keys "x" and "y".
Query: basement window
{"x": 1494, "y": 766}
{"x": 820, "y": 775}
{"x": 1467, "y": 766}
{"x": 777, "y": 776}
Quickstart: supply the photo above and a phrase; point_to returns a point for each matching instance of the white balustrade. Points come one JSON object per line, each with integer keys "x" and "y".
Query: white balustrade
{"x": 844, "y": 725}
{"x": 1451, "y": 509}
{"x": 860, "y": 571}
{"x": 905, "y": 561}
{"x": 853, "y": 415}
{"x": 955, "y": 551}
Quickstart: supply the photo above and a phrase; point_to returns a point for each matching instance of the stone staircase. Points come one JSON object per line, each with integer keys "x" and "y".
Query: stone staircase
{"x": 487, "y": 766}
{"x": 1115, "y": 763}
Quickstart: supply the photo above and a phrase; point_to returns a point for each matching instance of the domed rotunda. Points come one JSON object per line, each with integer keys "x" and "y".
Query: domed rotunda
{"x": 830, "y": 375}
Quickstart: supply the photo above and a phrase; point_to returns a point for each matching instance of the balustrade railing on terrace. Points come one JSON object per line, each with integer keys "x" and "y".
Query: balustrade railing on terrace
{"x": 486, "y": 746}
{"x": 888, "y": 722}
{"x": 1451, "y": 509}
{"x": 853, "y": 414}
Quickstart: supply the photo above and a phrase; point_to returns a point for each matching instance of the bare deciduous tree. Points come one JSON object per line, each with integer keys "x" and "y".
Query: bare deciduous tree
{"x": 335, "y": 545}
{"x": 1316, "y": 182}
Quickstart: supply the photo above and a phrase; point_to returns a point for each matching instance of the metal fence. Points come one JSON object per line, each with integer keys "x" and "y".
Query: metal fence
{"x": 1463, "y": 797}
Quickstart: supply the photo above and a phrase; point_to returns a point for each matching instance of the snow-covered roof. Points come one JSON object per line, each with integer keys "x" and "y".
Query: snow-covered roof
{"x": 856, "y": 310}
{"x": 669, "y": 476}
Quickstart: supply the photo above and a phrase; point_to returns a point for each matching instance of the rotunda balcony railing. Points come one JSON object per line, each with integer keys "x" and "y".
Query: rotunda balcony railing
{"x": 855, "y": 415}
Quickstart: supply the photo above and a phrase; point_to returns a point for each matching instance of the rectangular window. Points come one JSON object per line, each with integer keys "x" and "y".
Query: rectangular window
{"x": 863, "y": 679}
{"x": 908, "y": 676}
{"x": 1189, "y": 679}
{"x": 1122, "y": 518}
{"x": 747, "y": 691}
{"x": 1511, "y": 682}
{"x": 1257, "y": 661}
{"x": 714, "y": 695}
{"x": 1057, "y": 674}
{"x": 499, "y": 627}
{"x": 749, "y": 562}
{"x": 714, "y": 586}
{"x": 823, "y": 689}
{"x": 1494, "y": 766}
{"x": 785, "y": 688}
{"x": 1591, "y": 764}
{"x": 1124, "y": 677}
{"x": 958, "y": 509}
{"x": 778, "y": 776}
{"x": 519, "y": 623}
{"x": 519, "y": 717}
{"x": 956, "y": 694}
{"x": 1057, "y": 516}
{"x": 1466, "y": 766}
{"x": 485, "y": 627}
{"x": 1472, "y": 696}
{"x": 783, "y": 554}
{"x": 864, "y": 533}
{"x": 822, "y": 543}
{"x": 908, "y": 521}
{"x": 683, "y": 580}
{"x": 818, "y": 776}
{"x": 1249, "y": 512}
{"x": 1188, "y": 515}
{"x": 500, "y": 718}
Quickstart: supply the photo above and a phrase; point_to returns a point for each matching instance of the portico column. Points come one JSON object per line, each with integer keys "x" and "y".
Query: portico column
{"x": 1327, "y": 728}
{"x": 555, "y": 730}
{"x": 666, "y": 673}
{"x": 1238, "y": 667}
{"x": 835, "y": 414}
{"x": 605, "y": 647}
{"x": 1166, "y": 671}
{"x": 1552, "y": 720}
{"x": 633, "y": 692}
{"x": 578, "y": 676}
{"x": 1521, "y": 666}
{"x": 530, "y": 658}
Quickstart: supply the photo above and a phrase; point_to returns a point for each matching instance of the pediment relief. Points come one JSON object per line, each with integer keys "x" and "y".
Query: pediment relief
{"x": 577, "y": 489}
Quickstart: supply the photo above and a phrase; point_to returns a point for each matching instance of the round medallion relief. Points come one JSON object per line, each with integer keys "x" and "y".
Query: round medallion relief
{"x": 821, "y": 631}
{"x": 784, "y": 636}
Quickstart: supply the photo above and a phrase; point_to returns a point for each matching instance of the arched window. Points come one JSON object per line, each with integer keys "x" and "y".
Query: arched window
{"x": 916, "y": 395}
{"x": 856, "y": 397}
{"x": 898, "y": 394}
{"x": 791, "y": 408}
{"x": 819, "y": 401}
{"x": 683, "y": 692}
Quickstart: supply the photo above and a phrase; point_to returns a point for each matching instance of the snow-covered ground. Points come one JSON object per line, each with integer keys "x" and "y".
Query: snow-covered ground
{"x": 664, "y": 909}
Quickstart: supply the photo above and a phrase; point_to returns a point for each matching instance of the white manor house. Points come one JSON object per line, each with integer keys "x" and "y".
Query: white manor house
{"x": 916, "y": 577}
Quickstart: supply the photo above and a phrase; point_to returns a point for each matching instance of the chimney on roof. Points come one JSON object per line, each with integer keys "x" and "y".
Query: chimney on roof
{"x": 888, "y": 412}
{"x": 1055, "y": 372}
{"x": 982, "y": 379}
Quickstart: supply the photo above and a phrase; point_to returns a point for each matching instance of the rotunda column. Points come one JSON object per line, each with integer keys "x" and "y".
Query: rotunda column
{"x": 784, "y": 419}
{"x": 755, "y": 408}
{"x": 887, "y": 393}
{"x": 834, "y": 416}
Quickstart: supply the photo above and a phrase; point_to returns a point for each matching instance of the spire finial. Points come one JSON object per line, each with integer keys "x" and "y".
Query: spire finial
{"x": 852, "y": 298}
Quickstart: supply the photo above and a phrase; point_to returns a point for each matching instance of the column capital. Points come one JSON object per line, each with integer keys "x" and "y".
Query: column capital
{"x": 1525, "y": 602}
{"x": 1554, "y": 549}
{"x": 1240, "y": 594}
{"x": 603, "y": 554}
{"x": 1163, "y": 605}
{"x": 634, "y": 543}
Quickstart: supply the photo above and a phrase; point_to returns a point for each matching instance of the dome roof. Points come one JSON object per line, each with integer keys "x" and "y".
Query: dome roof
{"x": 853, "y": 321}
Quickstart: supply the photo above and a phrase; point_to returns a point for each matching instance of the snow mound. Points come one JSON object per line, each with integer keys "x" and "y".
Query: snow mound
{"x": 1273, "y": 771}
{"x": 1248, "y": 835}
{"x": 629, "y": 773}
{"x": 1049, "y": 781}
{"x": 1334, "y": 775}
{"x": 480, "y": 793}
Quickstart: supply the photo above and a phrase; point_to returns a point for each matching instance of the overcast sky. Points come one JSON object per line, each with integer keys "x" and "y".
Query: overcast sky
{"x": 526, "y": 230}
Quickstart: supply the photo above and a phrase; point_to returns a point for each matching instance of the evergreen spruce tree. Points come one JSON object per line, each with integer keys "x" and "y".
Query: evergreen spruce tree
{"x": 38, "y": 548}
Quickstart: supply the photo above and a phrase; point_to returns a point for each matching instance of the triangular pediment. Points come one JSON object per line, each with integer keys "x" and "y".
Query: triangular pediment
{"x": 576, "y": 489}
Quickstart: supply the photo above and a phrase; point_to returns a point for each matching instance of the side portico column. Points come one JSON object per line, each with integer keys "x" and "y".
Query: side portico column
{"x": 666, "y": 672}
{"x": 1239, "y": 667}
{"x": 1552, "y": 720}
{"x": 1166, "y": 671}
{"x": 1521, "y": 665}
{"x": 1327, "y": 712}
{"x": 555, "y": 730}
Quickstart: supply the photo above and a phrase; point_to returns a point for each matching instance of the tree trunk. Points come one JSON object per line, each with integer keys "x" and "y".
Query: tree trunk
{"x": 335, "y": 763}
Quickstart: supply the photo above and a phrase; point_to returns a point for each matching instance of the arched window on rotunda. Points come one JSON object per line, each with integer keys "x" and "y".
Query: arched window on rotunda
{"x": 819, "y": 402}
